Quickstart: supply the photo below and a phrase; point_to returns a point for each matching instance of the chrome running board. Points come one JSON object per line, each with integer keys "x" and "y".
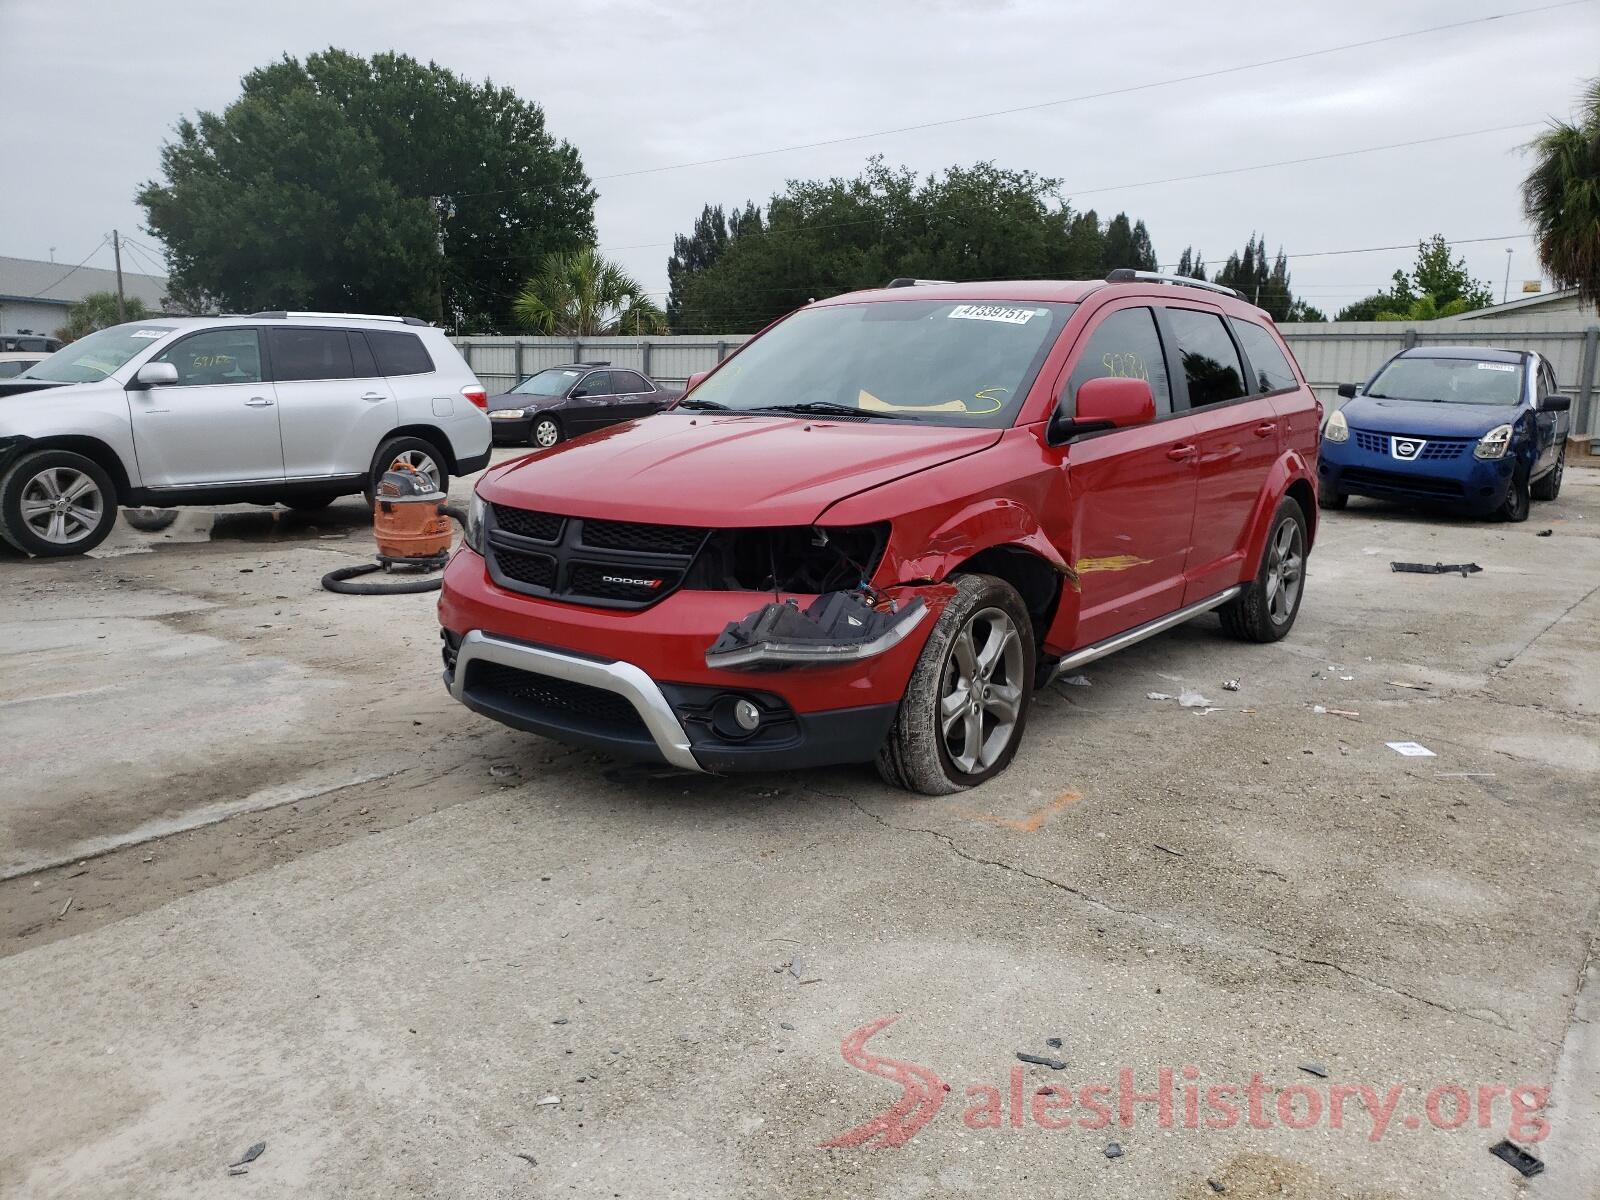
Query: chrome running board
{"x": 1139, "y": 632}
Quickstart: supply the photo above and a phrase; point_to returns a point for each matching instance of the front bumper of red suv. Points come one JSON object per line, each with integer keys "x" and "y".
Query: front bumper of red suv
{"x": 635, "y": 682}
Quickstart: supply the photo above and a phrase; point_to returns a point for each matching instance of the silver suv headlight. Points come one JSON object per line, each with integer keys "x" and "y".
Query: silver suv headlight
{"x": 474, "y": 532}
{"x": 1337, "y": 428}
{"x": 1494, "y": 443}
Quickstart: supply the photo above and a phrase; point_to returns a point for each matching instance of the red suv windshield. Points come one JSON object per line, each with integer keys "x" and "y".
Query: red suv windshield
{"x": 941, "y": 362}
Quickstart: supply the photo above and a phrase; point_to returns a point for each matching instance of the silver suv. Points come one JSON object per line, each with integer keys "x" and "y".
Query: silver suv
{"x": 297, "y": 408}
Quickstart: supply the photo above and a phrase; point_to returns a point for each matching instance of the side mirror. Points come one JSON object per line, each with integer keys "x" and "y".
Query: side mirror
{"x": 1347, "y": 390}
{"x": 1555, "y": 404}
{"x": 689, "y": 384}
{"x": 578, "y": 393}
{"x": 155, "y": 374}
{"x": 1106, "y": 404}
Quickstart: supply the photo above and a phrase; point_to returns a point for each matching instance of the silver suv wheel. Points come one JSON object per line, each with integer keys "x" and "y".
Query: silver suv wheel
{"x": 62, "y": 505}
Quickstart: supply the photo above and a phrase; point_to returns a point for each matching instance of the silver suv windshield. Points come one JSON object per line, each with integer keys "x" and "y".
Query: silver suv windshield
{"x": 938, "y": 362}
{"x": 90, "y": 359}
{"x": 1449, "y": 381}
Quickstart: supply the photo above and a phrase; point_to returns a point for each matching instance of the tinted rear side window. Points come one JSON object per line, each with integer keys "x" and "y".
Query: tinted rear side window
{"x": 627, "y": 383}
{"x": 1210, "y": 361}
{"x": 362, "y": 364}
{"x": 309, "y": 354}
{"x": 1271, "y": 368}
{"x": 399, "y": 353}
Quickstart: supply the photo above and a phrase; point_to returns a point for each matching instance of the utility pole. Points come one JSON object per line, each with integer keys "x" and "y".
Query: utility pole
{"x": 1505, "y": 293}
{"x": 116, "y": 251}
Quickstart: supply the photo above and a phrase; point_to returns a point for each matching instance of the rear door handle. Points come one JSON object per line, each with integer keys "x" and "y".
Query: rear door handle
{"x": 1265, "y": 428}
{"x": 373, "y": 396}
{"x": 1179, "y": 453}
{"x": 258, "y": 402}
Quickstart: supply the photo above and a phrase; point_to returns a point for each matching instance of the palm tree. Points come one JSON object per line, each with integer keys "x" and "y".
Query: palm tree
{"x": 98, "y": 310}
{"x": 1561, "y": 198}
{"x": 582, "y": 294}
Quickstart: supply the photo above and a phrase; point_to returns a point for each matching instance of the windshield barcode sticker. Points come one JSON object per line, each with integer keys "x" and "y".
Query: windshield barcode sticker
{"x": 1496, "y": 366}
{"x": 148, "y": 333}
{"x": 993, "y": 312}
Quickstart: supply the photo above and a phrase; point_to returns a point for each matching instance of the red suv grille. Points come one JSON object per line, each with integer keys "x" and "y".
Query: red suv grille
{"x": 609, "y": 564}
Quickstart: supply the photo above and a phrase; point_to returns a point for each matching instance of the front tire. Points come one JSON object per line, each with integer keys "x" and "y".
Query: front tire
{"x": 1549, "y": 485}
{"x": 1266, "y": 609}
{"x": 422, "y": 455}
{"x": 546, "y": 433}
{"x": 964, "y": 710}
{"x": 1518, "y": 501}
{"x": 55, "y": 503}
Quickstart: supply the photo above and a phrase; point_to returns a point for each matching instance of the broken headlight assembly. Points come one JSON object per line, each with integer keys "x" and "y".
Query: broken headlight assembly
{"x": 846, "y": 621}
{"x": 1494, "y": 443}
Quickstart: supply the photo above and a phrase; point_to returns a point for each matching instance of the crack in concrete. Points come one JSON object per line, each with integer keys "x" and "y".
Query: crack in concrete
{"x": 1106, "y": 906}
{"x": 1565, "y": 613}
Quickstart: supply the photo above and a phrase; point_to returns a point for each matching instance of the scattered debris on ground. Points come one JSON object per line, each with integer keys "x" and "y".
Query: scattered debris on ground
{"x": 1317, "y": 1069}
{"x": 1113, "y": 1149}
{"x": 1462, "y": 569}
{"x": 1324, "y": 710}
{"x": 1545, "y": 533}
{"x": 548, "y": 1100}
{"x": 1415, "y": 687}
{"x": 1215, "y": 1186}
{"x": 1077, "y": 681}
{"x": 1411, "y": 749}
{"x": 1054, "y": 1043}
{"x": 1055, "y": 1064}
{"x": 249, "y": 1156}
{"x": 1230, "y": 685}
{"x": 527, "y": 1158}
{"x": 1518, "y": 1157}
{"x": 1168, "y": 850}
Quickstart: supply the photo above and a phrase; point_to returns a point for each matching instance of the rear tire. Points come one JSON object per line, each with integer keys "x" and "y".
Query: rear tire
{"x": 308, "y": 504}
{"x": 1518, "y": 500}
{"x": 425, "y": 456}
{"x": 55, "y": 503}
{"x": 150, "y": 520}
{"x": 1266, "y": 609}
{"x": 1548, "y": 486}
{"x": 1328, "y": 498}
{"x": 964, "y": 710}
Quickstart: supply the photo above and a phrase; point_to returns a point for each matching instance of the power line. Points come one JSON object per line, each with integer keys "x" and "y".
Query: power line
{"x": 1073, "y": 193}
{"x": 1079, "y": 99}
{"x": 40, "y": 293}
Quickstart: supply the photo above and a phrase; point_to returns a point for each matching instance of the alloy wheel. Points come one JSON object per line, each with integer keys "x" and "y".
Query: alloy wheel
{"x": 421, "y": 462}
{"x": 981, "y": 699}
{"x": 62, "y": 505}
{"x": 1286, "y": 561}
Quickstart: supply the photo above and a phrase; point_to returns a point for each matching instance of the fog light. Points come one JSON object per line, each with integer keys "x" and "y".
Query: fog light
{"x": 747, "y": 715}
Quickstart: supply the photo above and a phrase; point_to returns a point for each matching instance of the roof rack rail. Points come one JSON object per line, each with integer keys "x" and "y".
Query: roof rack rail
{"x": 281, "y": 315}
{"x": 904, "y": 281}
{"x": 1129, "y": 275}
{"x": 596, "y": 363}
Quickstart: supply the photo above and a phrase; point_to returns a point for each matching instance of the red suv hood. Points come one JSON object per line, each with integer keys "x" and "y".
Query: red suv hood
{"x": 724, "y": 469}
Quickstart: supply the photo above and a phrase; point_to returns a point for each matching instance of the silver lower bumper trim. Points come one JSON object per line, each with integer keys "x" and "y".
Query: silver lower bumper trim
{"x": 623, "y": 679}
{"x": 1139, "y": 632}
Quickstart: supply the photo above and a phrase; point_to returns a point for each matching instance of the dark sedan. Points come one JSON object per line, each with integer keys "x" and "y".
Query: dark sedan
{"x": 567, "y": 401}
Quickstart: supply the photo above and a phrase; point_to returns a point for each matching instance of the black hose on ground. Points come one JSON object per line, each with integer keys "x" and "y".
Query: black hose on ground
{"x": 339, "y": 581}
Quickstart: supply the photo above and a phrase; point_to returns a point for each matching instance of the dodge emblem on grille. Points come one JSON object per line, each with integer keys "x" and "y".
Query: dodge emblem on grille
{"x": 1407, "y": 449}
{"x": 644, "y": 583}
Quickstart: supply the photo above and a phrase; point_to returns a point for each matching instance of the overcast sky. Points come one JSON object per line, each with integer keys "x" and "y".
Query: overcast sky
{"x": 89, "y": 89}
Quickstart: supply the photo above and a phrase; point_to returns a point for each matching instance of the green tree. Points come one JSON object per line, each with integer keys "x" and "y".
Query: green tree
{"x": 1192, "y": 264}
{"x": 1127, "y": 244}
{"x": 382, "y": 184}
{"x": 583, "y": 294}
{"x": 1437, "y": 286}
{"x": 1561, "y": 198}
{"x": 98, "y": 310}
{"x": 821, "y": 237}
{"x": 694, "y": 252}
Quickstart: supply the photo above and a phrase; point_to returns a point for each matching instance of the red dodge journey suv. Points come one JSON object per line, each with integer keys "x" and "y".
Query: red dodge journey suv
{"x": 874, "y": 531}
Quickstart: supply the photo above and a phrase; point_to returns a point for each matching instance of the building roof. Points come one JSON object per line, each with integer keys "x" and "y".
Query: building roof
{"x": 35, "y": 282}
{"x": 1564, "y": 299}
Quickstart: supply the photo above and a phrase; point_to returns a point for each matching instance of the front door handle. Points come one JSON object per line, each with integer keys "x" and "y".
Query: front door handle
{"x": 373, "y": 396}
{"x": 258, "y": 402}
{"x": 1265, "y": 428}
{"x": 1179, "y": 453}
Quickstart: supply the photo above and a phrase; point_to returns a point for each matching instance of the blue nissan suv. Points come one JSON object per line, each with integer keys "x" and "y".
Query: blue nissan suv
{"x": 1481, "y": 431}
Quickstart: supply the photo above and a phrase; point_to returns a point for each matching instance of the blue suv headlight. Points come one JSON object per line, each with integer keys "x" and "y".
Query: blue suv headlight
{"x": 1337, "y": 429}
{"x": 1494, "y": 443}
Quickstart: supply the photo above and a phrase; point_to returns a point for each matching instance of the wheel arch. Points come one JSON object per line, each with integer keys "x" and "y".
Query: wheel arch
{"x": 96, "y": 451}
{"x": 1037, "y": 580}
{"x": 428, "y": 433}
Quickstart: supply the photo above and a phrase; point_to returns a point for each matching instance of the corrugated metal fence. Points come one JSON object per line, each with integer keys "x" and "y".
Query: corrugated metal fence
{"x": 1329, "y": 354}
